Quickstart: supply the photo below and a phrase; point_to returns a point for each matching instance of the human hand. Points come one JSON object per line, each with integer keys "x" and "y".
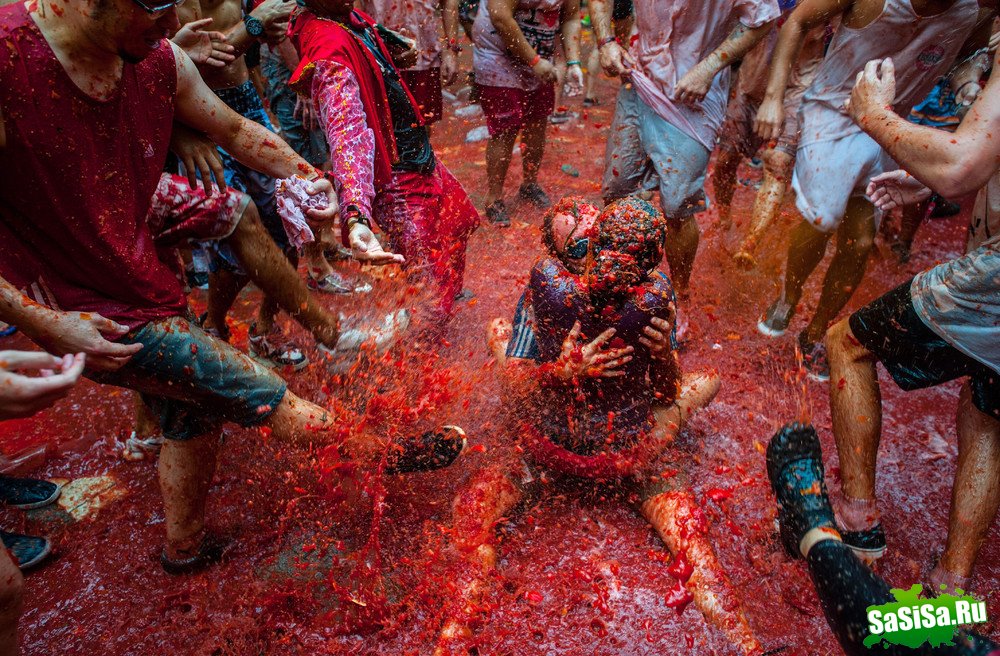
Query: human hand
{"x": 614, "y": 59}
{"x": 874, "y": 90}
{"x": 204, "y": 47}
{"x": 590, "y": 360}
{"x": 199, "y": 156}
{"x": 657, "y": 339}
{"x": 405, "y": 57}
{"x": 365, "y": 247}
{"x": 449, "y": 67}
{"x": 574, "y": 81}
{"x": 770, "y": 119}
{"x": 544, "y": 71}
{"x": 330, "y": 213}
{"x": 64, "y": 333}
{"x": 693, "y": 87}
{"x": 894, "y": 189}
{"x": 967, "y": 94}
{"x": 305, "y": 112}
{"x": 23, "y": 396}
{"x": 274, "y": 15}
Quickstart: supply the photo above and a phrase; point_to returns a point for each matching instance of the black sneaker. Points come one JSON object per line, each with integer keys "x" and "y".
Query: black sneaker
{"x": 795, "y": 468}
{"x": 496, "y": 213}
{"x": 432, "y": 450}
{"x": 534, "y": 194}
{"x": 869, "y": 544}
{"x": 815, "y": 361}
{"x": 775, "y": 321}
{"x": 943, "y": 208}
{"x": 29, "y": 550}
{"x": 28, "y": 493}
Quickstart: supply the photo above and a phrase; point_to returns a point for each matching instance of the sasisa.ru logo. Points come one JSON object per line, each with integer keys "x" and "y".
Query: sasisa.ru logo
{"x": 911, "y": 621}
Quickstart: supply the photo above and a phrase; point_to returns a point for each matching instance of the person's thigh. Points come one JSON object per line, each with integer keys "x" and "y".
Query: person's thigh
{"x": 680, "y": 162}
{"x": 829, "y": 173}
{"x": 193, "y": 381}
{"x": 626, "y": 164}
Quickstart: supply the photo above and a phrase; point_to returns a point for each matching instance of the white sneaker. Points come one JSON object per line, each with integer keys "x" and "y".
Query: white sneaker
{"x": 348, "y": 348}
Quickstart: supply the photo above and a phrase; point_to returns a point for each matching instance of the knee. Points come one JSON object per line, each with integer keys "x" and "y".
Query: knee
{"x": 778, "y": 163}
{"x": 842, "y": 346}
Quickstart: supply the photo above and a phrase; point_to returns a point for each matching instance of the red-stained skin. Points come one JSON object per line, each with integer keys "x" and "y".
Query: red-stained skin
{"x": 579, "y": 573}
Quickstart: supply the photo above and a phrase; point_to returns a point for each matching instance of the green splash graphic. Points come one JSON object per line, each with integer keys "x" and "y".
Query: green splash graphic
{"x": 911, "y": 621}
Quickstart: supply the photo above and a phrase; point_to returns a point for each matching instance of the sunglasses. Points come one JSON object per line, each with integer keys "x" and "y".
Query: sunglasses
{"x": 578, "y": 248}
{"x": 159, "y": 7}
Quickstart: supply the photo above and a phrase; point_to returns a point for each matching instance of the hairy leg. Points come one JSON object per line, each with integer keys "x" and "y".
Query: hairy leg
{"x": 499, "y": 150}
{"x": 975, "y": 495}
{"x": 186, "y": 468}
{"x": 724, "y": 181}
{"x": 270, "y": 270}
{"x": 855, "y": 238}
{"x": 223, "y": 288}
{"x": 533, "y": 148}
{"x": 681, "y": 249}
{"x": 777, "y": 172}
{"x": 486, "y": 500}
{"x": 856, "y": 407}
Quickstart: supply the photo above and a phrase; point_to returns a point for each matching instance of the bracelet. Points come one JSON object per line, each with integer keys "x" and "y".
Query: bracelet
{"x": 606, "y": 40}
{"x": 534, "y": 62}
{"x": 355, "y": 219}
{"x": 454, "y": 46}
{"x": 575, "y": 62}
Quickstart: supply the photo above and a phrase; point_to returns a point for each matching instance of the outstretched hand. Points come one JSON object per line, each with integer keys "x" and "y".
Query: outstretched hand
{"x": 591, "y": 360}
{"x": 365, "y": 247}
{"x": 22, "y": 395}
{"x": 203, "y": 46}
{"x": 894, "y": 189}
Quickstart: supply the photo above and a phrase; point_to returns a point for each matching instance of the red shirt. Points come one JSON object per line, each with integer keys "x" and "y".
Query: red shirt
{"x": 78, "y": 178}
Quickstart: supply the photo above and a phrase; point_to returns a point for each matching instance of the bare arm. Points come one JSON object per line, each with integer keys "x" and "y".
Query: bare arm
{"x": 614, "y": 59}
{"x": 570, "y": 30}
{"x": 694, "y": 86}
{"x": 449, "y": 54}
{"x": 807, "y": 15}
{"x": 951, "y": 164}
{"x": 502, "y": 16}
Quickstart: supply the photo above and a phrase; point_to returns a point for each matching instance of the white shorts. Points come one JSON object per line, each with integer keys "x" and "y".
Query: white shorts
{"x": 829, "y": 173}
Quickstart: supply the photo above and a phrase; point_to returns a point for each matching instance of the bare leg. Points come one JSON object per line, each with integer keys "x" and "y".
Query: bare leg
{"x": 499, "y": 150}
{"x": 856, "y": 407}
{"x": 854, "y": 242}
{"x": 186, "y": 468}
{"x": 912, "y": 217}
{"x": 975, "y": 496}
{"x": 533, "y": 147}
{"x": 11, "y": 603}
{"x": 487, "y": 499}
{"x": 316, "y": 261}
{"x": 806, "y": 247}
{"x": 674, "y": 515}
{"x": 269, "y": 309}
{"x": 777, "y": 171}
{"x": 223, "y": 288}
{"x": 498, "y": 334}
{"x": 270, "y": 270}
{"x": 593, "y": 66}
{"x": 724, "y": 181}
{"x": 681, "y": 248}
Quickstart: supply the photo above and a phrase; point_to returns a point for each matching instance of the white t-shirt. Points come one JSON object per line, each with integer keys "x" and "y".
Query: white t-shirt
{"x": 540, "y": 22}
{"x": 673, "y": 36}
{"x": 420, "y": 17}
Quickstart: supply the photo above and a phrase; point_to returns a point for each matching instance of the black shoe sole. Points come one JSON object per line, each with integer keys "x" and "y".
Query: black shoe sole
{"x": 430, "y": 451}
{"x": 211, "y": 551}
{"x": 792, "y": 443}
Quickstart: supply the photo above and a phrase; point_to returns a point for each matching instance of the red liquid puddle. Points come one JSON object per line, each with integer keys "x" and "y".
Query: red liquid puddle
{"x": 325, "y": 554}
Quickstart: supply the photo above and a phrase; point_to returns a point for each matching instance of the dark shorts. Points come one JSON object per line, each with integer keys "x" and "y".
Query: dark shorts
{"x": 193, "y": 382}
{"x": 425, "y": 86}
{"x": 914, "y": 355}
{"x": 508, "y": 109}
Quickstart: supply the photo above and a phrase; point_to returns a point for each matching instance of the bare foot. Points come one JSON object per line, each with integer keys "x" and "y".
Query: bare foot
{"x": 498, "y": 333}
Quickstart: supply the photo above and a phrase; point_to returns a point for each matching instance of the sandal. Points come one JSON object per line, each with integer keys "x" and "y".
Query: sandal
{"x": 211, "y": 550}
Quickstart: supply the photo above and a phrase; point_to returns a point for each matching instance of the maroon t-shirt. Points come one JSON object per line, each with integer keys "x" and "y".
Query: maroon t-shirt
{"x": 78, "y": 178}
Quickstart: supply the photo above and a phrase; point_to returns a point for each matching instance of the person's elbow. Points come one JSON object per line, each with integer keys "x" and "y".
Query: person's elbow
{"x": 963, "y": 176}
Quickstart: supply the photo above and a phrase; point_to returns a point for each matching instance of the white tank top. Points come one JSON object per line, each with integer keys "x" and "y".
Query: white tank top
{"x": 922, "y": 49}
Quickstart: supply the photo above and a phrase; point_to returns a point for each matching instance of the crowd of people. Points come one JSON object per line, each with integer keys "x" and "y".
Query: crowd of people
{"x": 150, "y": 147}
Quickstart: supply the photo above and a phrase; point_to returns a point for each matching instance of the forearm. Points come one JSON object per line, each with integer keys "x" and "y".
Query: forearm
{"x": 947, "y": 163}
{"x": 739, "y": 43}
{"x": 449, "y": 20}
{"x": 18, "y": 310}
{"x": 510, "y": 33}
{"x": 239, "y": 39}
{"x": 289, "y": 56}
{"x": 570, "y": 31}
{"x": 786, "y": 53}
{"x": 252, "y": 144}
{"x": 600, "y": 20}
{"x": 352, "y": 141}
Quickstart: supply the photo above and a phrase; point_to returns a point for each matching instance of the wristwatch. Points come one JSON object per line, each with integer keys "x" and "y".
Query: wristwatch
{"x": 255, "y": 28}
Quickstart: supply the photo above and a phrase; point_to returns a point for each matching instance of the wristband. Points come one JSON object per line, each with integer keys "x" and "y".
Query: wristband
{"x": 355, "y": 219}
{"x": 454, "y": 46}
{"x": 606, "y": 40}
{"x": 575, "y": 62}
{"x": 534, "y": 62}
